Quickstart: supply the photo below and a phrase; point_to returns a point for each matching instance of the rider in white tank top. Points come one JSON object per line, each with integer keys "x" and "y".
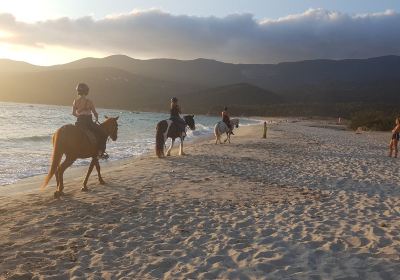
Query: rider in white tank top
{"x": 82, "y": 109}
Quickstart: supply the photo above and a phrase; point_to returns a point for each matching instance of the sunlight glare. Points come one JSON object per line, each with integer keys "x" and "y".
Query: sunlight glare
{"x": 47, "y": 55}
{"x": 5, "y": 34}
{"x": 28, "y": 11}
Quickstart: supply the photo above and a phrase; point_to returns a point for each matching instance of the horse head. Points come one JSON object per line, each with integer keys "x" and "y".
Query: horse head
{"x": 235, "y": 122}
{"x": 110, "y": 126}
{"x": 189, "y": 120}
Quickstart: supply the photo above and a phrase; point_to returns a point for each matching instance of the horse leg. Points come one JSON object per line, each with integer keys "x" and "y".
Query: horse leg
{"x": 170, "y": 148}
{"x": 227, "y": 136}
{"x": 218, "y": 138}
{"x": 56, "y": 175}
{"x": 97, "y": 164}
{"x": 92, "y": 163}
{"x": 181, "y": 153}
{"x": 67, "y": 163}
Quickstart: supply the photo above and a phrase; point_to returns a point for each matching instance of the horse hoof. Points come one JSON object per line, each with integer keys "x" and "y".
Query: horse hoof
{"x": 56, "y": 195}
{"x": 84, "y": 189}
{"x": 102, "y": 182}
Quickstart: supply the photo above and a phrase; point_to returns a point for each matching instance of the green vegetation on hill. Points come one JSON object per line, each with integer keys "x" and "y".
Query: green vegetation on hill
{"x": 329, "y": 88}
{"x": 374, "y": 120}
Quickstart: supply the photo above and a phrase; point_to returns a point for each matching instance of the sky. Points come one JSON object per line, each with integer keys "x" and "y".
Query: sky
{"x": 47, "y": 32}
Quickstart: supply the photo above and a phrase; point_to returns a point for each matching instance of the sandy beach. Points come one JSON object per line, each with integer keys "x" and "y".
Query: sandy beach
{"x": 308, "y": 202}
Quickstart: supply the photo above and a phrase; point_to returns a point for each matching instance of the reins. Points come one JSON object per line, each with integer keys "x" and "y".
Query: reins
{"x": 108, "y": 135}
{"x": 99, "y": 124}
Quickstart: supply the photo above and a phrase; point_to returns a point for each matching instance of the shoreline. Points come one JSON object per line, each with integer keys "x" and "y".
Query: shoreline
{"x": 26, "y": 185}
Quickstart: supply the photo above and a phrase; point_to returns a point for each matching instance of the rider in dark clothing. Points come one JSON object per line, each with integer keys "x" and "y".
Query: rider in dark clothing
{"x": 82, "y": 109}
{"x": 174, "y": 115}
{"x": 226, "y": 119}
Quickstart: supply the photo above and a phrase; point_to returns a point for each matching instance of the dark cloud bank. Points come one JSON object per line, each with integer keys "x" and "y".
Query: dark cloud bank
{"x": 314, "y": 34}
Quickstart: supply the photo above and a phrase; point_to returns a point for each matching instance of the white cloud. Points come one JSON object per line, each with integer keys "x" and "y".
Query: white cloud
{"x": 316, "y": 33}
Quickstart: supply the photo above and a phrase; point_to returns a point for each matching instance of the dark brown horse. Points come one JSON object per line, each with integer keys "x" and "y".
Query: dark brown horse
{"x": 167, "y": 129}
{"x": 72, "y": 142}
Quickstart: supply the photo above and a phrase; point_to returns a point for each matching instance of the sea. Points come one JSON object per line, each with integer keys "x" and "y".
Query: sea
{"x": 26, "y": 131}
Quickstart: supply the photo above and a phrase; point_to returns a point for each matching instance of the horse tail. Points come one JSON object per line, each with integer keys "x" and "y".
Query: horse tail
{"x": 55, "y": 159}
{"x": 160, "y": 141}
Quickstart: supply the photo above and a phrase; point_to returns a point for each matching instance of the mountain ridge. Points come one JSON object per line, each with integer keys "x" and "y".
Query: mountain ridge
{"x": 150, "y": 83}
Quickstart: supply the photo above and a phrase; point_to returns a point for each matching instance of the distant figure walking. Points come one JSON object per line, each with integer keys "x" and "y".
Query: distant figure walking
{"x": 82, "y": 109}
{"x": 395, "y": 139}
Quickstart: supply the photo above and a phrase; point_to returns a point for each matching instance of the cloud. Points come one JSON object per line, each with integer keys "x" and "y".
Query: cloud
{"x": 316, "y": 33}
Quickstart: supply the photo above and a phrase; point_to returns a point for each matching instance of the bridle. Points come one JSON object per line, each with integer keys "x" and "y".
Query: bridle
{"x": 114, "y": 132}
{"x": 187, "y": 123}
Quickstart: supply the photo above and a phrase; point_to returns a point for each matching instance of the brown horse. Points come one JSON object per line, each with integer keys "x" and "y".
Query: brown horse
{"x": 74, "y": 143}
{"x": 168, "y": 129}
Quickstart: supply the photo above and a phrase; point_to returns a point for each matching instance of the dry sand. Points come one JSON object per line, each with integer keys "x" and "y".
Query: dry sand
{"x": 306, "y": 203}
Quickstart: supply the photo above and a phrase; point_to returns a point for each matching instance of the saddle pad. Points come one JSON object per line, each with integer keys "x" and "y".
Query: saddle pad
{"x": 91, "y": 137}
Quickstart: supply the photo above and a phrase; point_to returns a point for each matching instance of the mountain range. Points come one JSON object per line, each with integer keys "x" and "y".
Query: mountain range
{"x": 205, "y": 86}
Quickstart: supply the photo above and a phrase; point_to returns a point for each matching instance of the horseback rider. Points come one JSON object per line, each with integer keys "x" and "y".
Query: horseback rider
{"x": 175, "y": 117}
{"x": 82, "y": 109}
{"x": 226, "y": 119}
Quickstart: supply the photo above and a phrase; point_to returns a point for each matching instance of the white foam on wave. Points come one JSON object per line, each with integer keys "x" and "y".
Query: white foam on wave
{"x": 201, "y": 130}
{"x": 35, "y": 138}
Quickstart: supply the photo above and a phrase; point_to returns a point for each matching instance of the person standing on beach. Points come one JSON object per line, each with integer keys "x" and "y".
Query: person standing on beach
{"x": 226, "y": 119}
{"x": 82, "y": 109}
{"x": 395, "y": 139}
{"x": 175, "y": 112}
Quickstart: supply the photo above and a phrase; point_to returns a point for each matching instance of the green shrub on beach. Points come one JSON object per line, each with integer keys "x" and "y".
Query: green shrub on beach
{"x": 374, "y": 120}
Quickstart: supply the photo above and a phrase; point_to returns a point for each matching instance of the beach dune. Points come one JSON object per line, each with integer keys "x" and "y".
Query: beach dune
{"x": 308, "y": 202}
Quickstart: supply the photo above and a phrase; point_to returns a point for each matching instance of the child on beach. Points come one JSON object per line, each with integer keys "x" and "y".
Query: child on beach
{"x": 82, "y": 109}
{"x": 226, "y": 119}
{"x": 395, "y": 139}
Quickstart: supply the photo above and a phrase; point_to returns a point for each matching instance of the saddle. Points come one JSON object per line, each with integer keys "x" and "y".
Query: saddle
{"x": 169, "y": 123}
{"x": 228, "y": 126}
{"x": 90, "y": 136}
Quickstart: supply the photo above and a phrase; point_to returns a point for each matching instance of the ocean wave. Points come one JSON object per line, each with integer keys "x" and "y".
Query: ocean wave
{"x": 35, "y": 138}
{"x": 248, "y": 121}
{"x": 201, "y": 130}
{"x": 201, "y": 127}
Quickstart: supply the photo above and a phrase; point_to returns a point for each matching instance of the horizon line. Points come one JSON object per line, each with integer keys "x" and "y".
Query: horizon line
{"x": 199, "y": 58}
